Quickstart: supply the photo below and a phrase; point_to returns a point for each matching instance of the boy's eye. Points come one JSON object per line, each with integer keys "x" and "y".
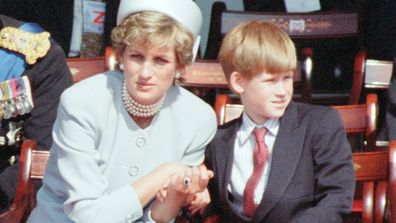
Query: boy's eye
{"x": 269, "y": 80}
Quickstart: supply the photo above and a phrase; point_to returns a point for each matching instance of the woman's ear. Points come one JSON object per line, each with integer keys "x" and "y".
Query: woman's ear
{"x": 119, "y": 56}
{"x": 236, "y": 82}
{"x": 181, "y": 68}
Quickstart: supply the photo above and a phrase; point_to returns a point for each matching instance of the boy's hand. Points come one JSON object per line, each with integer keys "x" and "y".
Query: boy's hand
{"x": 199, "y": 202}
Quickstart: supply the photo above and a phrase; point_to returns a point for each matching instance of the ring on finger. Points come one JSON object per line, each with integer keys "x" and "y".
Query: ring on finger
{"x": 186, "y": 181}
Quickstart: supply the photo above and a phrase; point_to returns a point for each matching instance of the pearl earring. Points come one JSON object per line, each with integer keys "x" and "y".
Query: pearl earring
{"x": 121, "y": 66}
{"x": 177, "y": 74}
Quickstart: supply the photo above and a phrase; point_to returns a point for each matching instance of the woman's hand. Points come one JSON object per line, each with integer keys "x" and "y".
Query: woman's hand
{"x": 188, "y": 182}
{"x": 184, "y": 188}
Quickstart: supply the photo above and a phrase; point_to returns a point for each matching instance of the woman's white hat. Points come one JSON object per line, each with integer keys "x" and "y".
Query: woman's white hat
{"x": 184, "y": 11}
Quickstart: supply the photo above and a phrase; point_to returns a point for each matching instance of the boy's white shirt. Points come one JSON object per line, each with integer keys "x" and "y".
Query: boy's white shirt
{"x": 242, "y": 167}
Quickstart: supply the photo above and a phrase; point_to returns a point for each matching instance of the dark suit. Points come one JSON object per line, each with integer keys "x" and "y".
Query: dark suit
{"x": 48, "y": 77}
{"x": 56, "y": 16}
{"x": 311, "y": 177}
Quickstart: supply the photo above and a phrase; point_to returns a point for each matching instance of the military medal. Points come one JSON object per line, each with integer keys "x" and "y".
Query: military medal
{"x": 15, "y": 97}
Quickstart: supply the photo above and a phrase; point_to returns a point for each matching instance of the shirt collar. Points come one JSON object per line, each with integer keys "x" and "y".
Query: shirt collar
{"x": 246, "y": 129}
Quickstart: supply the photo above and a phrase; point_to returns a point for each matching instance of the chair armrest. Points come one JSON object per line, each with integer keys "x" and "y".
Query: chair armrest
{"x": 24, "y": 200}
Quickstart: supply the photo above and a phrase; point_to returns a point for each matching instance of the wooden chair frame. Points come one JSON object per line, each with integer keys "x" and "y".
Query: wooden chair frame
{"x": 392, "y": 181}
{"x": 82, "y": 68}
{"x": 298, "y": 25}
{"x": 369, "y": 169}
{"x": 32, "y": 166}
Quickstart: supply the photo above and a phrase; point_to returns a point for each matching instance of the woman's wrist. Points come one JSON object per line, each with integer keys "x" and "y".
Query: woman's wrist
{"x": 171, "y": 167}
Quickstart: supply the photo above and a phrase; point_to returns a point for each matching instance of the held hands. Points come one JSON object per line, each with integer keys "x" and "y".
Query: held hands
{"x": 188, "y": 184}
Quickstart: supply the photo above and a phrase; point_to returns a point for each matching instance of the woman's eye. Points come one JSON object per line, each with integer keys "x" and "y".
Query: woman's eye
{"x": 136, "y": 56}
{"x": 161, "y": 60}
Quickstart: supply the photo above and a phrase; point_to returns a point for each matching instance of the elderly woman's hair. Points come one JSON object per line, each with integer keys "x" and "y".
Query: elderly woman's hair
{"x": 157, "y": 29}
{"x": 257, "y": 46}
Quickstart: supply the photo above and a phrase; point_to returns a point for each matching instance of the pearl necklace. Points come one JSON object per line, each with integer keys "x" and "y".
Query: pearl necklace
{"x": 139, "y": 110}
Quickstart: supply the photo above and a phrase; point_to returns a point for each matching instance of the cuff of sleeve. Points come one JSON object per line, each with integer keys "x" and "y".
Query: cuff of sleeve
{"x": 128, "y": 204}
{"x": 147, "y": 214}
{"x": 122, "y": 205}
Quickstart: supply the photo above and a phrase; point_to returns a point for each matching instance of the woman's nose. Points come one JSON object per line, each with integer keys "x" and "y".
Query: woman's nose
{"x": 147, "y": 70}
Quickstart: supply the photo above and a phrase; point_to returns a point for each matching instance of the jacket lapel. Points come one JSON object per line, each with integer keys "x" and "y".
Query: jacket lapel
{"x": 225, "y": 157}
{"x": 286, "y": 153}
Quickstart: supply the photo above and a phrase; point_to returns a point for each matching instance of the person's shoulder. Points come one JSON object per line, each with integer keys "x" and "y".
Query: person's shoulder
{"x": 90, "y": 89}
{"x": 56, "y": 50}
{"x": 10, "y": 21}
{"x": 97, "y": 82}
{"x": 187, "y": 101}
{"x": 42, "y": 49}
{"x": 190, "y": 108}
{"x": 313, "y": 110}
{"x": 235, "y": 123}
{"x": 315, "y": 114}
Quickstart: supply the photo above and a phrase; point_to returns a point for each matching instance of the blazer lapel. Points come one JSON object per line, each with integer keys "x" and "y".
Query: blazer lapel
{"x": 286, "y": 153}
{"x": 225, "y": 157}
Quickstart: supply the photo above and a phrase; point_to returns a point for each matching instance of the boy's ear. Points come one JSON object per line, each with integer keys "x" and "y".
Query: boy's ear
{"x": 236, "y": 82}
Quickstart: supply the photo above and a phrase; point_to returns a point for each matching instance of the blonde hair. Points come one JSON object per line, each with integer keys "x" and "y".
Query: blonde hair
{"x": 154, "y": 28}
{"x": 257, "y": 46}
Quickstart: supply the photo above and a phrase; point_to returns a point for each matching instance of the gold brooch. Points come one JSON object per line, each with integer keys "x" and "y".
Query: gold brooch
{"x": 31, "y": 45}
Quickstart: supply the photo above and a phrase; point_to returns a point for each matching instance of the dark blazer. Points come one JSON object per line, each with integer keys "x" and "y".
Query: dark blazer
{"x": 311, "y": 177}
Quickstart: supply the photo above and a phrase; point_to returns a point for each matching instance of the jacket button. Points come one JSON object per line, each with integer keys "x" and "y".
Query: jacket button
{"x": 129, "y": 219}
{"x": 140, "y": 142}
{"x": 133, "y": 171}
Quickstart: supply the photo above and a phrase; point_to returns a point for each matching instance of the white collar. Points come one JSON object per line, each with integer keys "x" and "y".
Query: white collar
{"x": 247, "y": 126}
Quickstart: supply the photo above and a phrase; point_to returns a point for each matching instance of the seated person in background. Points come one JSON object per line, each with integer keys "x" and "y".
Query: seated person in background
{"x": 280, "y": 161}
{"x": 33, "y": 75}
{"x": 122, "y": 136}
